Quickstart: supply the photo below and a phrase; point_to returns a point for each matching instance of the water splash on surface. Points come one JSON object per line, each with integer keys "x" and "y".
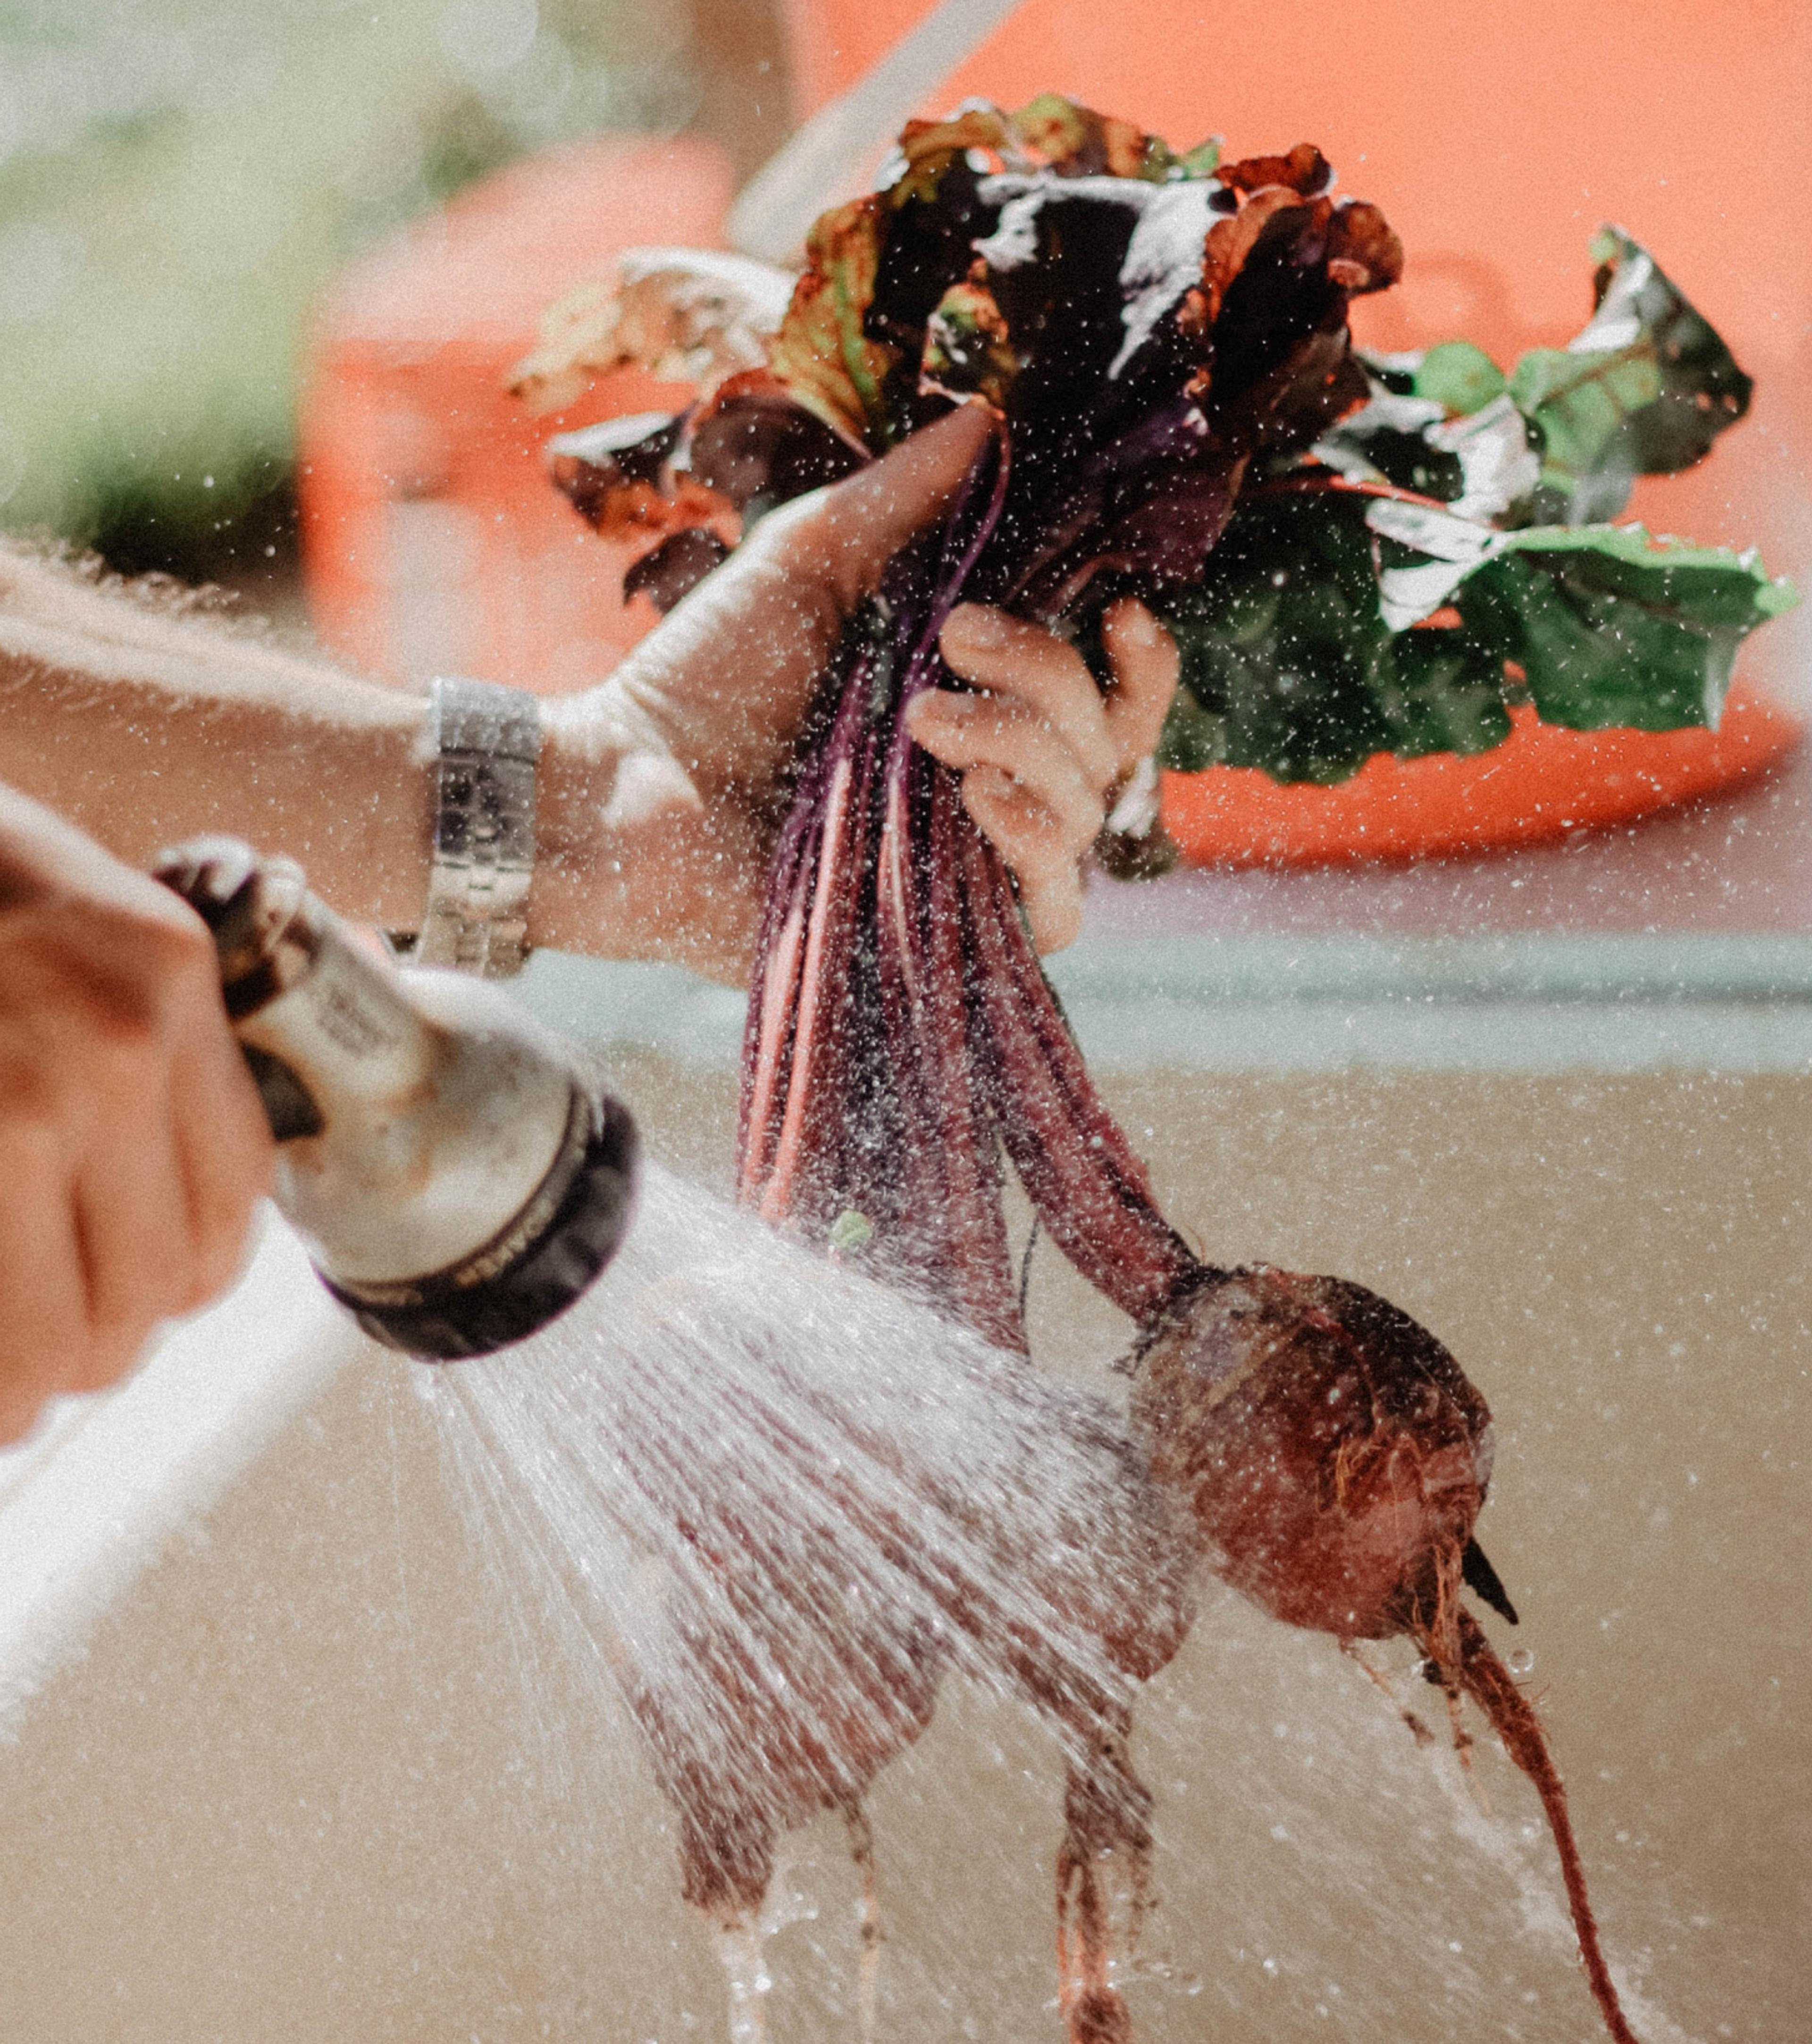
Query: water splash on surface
{"x": 1526, "y": 1861}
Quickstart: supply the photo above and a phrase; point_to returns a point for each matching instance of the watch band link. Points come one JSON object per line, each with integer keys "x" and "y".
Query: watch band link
{"x": 486, "y": 741}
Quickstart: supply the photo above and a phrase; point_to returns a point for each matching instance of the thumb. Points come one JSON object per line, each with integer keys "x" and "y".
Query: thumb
{"x": 862, "y": 521}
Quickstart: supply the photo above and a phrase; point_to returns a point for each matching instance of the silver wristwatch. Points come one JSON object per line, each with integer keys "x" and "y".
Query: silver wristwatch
{"x": 486, "y": 741}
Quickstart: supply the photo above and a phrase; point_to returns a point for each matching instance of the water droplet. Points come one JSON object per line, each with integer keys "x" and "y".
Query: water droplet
{"x": 1521, "y": 1661}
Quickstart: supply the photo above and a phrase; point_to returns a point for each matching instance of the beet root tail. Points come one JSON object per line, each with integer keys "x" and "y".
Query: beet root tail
{"x": 1489, "y": 1683}
{"x": 1103, "y": 1890}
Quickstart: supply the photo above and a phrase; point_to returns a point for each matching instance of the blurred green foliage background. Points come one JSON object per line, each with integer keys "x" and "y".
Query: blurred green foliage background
{"x": 179, "y": 178}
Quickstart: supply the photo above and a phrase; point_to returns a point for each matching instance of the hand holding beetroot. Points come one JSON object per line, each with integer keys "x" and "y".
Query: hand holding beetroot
{"x": 1041, "y": 750}
{"x": 708, "y": 710}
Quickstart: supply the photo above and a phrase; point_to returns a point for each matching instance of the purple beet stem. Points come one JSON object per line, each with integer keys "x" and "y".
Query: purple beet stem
{"x": 900, "y": 1032}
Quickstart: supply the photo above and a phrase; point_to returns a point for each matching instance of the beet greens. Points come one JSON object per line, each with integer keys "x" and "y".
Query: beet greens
{"x": 1181, "y": 415}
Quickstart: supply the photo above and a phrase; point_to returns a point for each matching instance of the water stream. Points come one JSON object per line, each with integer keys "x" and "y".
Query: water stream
{"x": 780, "y": 1506}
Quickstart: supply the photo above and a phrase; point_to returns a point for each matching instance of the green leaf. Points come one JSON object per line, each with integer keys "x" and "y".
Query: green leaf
{"x": 1076, "y": 141}
{"x": 1619, "y": 628}
{"x": 1704, "y": 392}
{"x": 1479, "y": 462}
{"x": 1579, "y": 399}
{"x": 822, "y": 353}
{"x": 1459, "y": 376}
{"x": 1288, "y": 666}
{"x": 1594, "y": 661}
{"x": 1644, "y": 388}
{"x": 1203, "y": 161}
{"x": 852, "y": 1230}
{"x": 1714, "y": 584}
{"x": 967, "y": 348}
{"x": 1299, "y": 659}
{"x": 1611, "y": 625}
{"x": 927, "y": 148}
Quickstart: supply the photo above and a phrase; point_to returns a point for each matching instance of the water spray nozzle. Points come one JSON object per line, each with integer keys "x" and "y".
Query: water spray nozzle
{"x": 460, "y": 1178}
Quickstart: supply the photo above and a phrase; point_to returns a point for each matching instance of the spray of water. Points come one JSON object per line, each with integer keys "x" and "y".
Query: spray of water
{"x": 775, "y": 1508}
{"x": 780, "y": 1505}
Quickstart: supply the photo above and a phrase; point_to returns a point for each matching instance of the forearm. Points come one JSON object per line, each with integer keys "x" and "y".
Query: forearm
{"x": 658, "y": 792}
{"x": 145, "y": 728}
{"x": 633, "y": 861}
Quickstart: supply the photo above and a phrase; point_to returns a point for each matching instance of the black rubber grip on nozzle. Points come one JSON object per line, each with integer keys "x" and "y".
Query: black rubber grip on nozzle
{"x": 446, "y": 1321}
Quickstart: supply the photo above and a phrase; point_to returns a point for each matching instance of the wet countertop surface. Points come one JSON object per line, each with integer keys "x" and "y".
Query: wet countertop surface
{"x": 316, "y": 1778}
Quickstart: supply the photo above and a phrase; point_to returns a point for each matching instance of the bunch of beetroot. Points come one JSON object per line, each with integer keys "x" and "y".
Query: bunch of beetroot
{"x": 1146, "y": 328}
{"x": 1142, "y": 325}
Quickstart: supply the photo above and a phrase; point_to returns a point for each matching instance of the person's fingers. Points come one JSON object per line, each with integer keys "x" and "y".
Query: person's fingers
{"x": 132, "y": 1219}
{"x": 1008, "y": 657}
{"x": 222, "y": 1143}
{"x": 1143, "y": 658}
{"x": 1032, "y": 841}
{"x": 970, "y": 731}
{"x": 223, "y": 1152}
{"x": 1054, "y": 915}
{"x": 131, "y": 1145}
{"x": 1039, "y": 852}
{"x": 858, "y": 525}
{"x": 1039, "y": 748}
{"x": 723, "y": 683}
{"x": 44, "y": 1319}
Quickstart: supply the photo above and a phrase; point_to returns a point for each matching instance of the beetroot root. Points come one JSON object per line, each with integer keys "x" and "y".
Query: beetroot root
{"x": 1483, "y": 1676}
{"x": 1336, "y": 1458}
{"x": 1334, "y": 1453}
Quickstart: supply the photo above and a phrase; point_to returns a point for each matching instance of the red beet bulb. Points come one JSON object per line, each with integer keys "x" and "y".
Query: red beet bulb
{"x": 1334, "y": 1453}
{"x": 1336, "y": 1458}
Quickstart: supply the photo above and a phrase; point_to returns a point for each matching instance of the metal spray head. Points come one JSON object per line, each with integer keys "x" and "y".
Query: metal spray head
{"x": 458, "y": 1178}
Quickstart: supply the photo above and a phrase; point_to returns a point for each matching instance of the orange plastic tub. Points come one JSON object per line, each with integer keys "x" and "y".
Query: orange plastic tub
{"x": 432, "y": 541}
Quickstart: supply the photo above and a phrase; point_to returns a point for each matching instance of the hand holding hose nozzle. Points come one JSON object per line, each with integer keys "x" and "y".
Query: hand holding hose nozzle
{"x": 458, "y": 1178}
